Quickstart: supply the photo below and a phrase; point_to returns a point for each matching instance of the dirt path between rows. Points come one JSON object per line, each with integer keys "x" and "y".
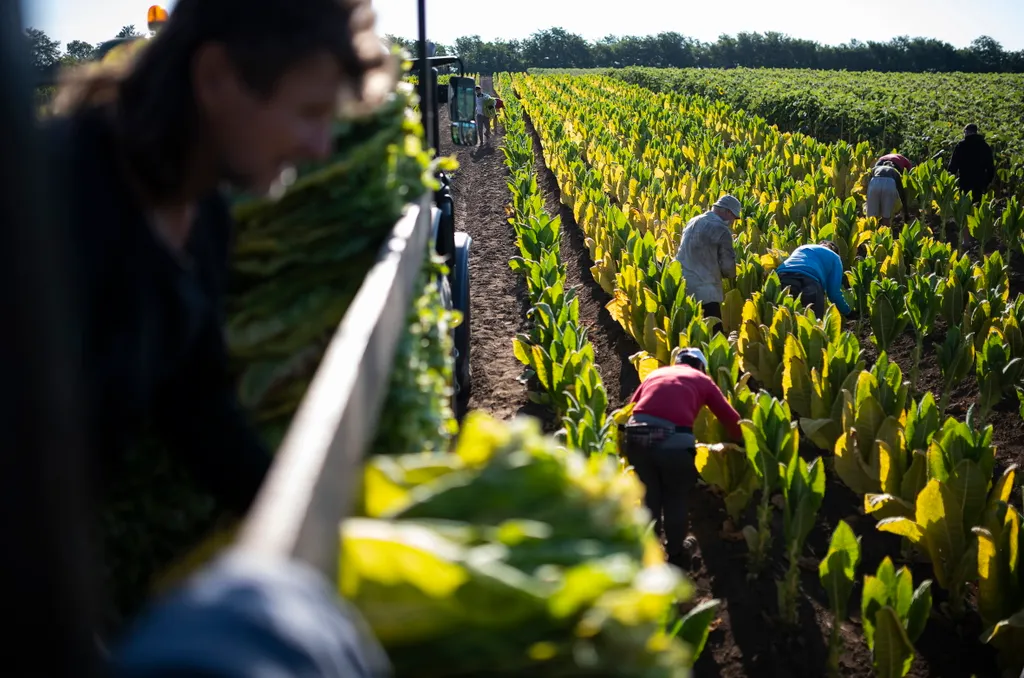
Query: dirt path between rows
{"x": 498, "y": 300}
{"x": 612, "y": 346}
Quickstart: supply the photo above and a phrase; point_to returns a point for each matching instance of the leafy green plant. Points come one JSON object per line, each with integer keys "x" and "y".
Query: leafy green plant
{"x": 837, "y": 572}
{"x": 843, "y": 363}
{"x": 1001, "y": 575}
{"x": 956, "y": 358}
{"x": 871, "y": 428}
{"x": 887, "y": 300}
{"x": 862, "y": 274}
{"x": 998, "y": 373}
{"x": 937, "y": 529}
{"x": 923, "y": 305}
{"x": 771, "y": 440}
{"x": 694, "y": 627}
{"x": 803, "y": 488}
{"x": 906, "y": 468}
{"x": 981, "y": 223}
{"x": 959, "y": 283}
{"x": 894, "y": 614}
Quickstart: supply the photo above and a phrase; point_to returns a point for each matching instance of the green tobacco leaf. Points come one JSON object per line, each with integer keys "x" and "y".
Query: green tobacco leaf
{"x": 822, "y": 432}
{"x": 893, "y": 652}
{"x": 883, "y": 506}
{"x": 838, "y": 569}
{"x": 920, "y": 610}
{"x": 696, "y": 625}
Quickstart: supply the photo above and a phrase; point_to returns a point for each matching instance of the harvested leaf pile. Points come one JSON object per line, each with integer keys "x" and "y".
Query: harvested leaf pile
{"x": 536, "y": 558}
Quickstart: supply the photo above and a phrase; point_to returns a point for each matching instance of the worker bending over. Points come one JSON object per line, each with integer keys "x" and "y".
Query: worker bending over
{"x": 658, "y": 442}
{"x": 706, "y": 254}
{"x": 901, "y": 162}
{"x": 813, "y": 271}
{"x": 885, "y": 186}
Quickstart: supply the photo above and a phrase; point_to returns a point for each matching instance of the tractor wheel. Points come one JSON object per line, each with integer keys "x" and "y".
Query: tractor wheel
{"x": 460, "y": 301}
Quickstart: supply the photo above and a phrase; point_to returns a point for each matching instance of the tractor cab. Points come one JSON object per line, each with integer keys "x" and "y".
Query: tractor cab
{"x": 459, "y": 94}
{"x": 462, "y": 110}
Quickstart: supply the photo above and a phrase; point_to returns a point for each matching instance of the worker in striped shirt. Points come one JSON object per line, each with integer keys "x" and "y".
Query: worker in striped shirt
{"x": 658, "y": 442}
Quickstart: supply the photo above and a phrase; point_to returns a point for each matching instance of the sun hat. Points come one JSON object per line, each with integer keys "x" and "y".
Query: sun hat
{"x": 730, "y": 203}
{"x": 689, "y": 354}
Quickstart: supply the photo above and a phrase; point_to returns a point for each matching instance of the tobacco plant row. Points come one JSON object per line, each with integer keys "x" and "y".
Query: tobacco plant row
{"x": 557, "y": 355}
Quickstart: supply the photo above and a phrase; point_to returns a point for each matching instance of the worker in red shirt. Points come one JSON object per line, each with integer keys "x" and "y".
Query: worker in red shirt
{"x": 901, "y": 162}
{"x": 658, "y": 442}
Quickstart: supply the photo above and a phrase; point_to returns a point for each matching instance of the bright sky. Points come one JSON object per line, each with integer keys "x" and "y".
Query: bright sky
{"x": 954, "y": 21}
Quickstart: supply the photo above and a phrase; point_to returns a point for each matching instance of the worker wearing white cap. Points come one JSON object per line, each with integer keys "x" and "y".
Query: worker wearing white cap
{"x": 706, "y": 254}
{"x": 658, "y": 442}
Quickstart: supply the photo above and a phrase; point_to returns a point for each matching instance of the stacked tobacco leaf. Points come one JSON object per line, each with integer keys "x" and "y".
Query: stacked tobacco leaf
{"x": 300, "y": 259}
{"x": 417, "y": 414}
{"x": 511, "y": 557}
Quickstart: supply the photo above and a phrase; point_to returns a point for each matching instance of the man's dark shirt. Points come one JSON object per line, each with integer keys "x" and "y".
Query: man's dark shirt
{"x": 972, "y": 159}
{"x": 153, "y": 348}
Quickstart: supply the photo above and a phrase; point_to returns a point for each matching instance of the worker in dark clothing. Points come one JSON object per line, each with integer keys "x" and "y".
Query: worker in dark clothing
{"x": 885, "y": 187}
{"x": 229, "y": 92}
{"x": 658, "y": 442}
{"x": 973, "y": 163}
{"x": 814, "y": 272}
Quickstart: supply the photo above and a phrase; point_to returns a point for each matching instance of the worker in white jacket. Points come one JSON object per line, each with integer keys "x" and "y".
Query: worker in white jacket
{"x": 706, "y": 254}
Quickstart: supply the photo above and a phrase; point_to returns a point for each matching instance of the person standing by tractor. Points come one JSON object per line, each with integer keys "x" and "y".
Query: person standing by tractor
{"x": 658, "y": 442}
{"x": 484, "y": 104}
{"x": 813, "y": 272}
{"x": 972, "y": 162}
{"x": 228, "y": 92}
{"x": 884, "y": 187}
{"x": 706, "y": 254}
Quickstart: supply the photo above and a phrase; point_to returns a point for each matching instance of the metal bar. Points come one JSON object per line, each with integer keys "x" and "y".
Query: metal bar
{"x": 47, "y": 567}
{"x": 310, "y": 487}
{"x": 427, "y": 94}
{"x": 443, "y": 61}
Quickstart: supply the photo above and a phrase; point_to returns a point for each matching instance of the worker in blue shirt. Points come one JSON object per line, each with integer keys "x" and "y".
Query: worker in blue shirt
{"x": 813, "y": 271}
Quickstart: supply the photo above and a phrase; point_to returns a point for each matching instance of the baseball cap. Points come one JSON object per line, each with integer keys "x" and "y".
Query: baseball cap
{"x": 693, "y": 354}
{"x": 730, "y": 203}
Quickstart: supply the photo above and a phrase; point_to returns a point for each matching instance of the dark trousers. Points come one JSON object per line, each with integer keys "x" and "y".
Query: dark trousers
{"x": 807, "y": 288}
{"x": 668, "y": 473}
{"x": 713, "y": 309}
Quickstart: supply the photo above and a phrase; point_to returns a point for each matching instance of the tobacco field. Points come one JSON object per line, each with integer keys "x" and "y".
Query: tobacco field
{"x": 871, "y": 526}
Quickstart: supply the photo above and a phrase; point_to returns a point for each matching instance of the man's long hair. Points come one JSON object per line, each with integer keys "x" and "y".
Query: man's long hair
{"x": 156, "y": 118}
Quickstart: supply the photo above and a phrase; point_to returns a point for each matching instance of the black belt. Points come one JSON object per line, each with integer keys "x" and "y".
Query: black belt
{"x": 676, "y": 429}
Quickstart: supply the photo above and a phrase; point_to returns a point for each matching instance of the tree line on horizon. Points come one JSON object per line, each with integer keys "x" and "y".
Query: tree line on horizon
{"x": 45, "y": 53}
{"x": 558, "y": 48}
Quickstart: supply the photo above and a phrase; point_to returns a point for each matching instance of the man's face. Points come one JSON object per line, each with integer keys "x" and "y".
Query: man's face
{"x": 725, "y": 215}
{"x": 258, "y": 137}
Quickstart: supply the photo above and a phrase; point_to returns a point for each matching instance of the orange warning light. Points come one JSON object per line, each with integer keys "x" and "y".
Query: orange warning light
{"x": 156, "y": 16}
